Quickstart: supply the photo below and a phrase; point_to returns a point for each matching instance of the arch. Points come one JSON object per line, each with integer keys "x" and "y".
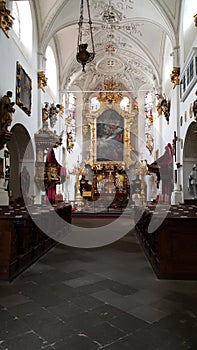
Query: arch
{"x": 189, "y": 157}
{"x": 51, "y": 69}
{"x": 21, "y": 152}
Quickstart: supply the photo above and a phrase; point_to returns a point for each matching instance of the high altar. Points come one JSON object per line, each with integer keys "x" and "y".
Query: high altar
{"x": 109, "y": 151}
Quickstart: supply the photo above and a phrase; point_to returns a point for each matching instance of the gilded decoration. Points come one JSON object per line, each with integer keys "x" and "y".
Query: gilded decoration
{"x": 42, "y": 81}
{"x": 195, "y": 20}
{"x": 6, "y": 112}
{"x": 174, "y": 76}
{"x": 110, "y": 136}
{"x": 6, "y": 20}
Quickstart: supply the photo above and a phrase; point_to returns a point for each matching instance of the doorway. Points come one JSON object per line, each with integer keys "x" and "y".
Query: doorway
{"x": 21, "y": 152}
{"x": 189, "y": 157}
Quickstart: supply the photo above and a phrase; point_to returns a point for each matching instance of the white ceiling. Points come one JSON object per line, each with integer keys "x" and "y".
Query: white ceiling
{"x": 139, "y": 41}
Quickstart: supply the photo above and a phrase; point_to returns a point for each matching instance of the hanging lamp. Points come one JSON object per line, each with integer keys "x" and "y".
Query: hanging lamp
{"x": 83, "y": 56}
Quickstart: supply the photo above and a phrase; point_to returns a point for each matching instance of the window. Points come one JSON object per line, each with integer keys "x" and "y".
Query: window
{"x": 189, "y": 12}
{"x": 189, "y": 74}
{"x": 22, "y": 24}
{"x": 94, "y": 104}
{"x": 51, "y": 70}
{"x": 125, "y": 103}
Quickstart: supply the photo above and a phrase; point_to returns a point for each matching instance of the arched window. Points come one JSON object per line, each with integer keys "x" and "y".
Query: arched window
{"x": 189, "y": 12}
{"x": 22, "y": 25}
{"x": 51, "y": 70}
{"x": 94, "y": 104}
{"x": 125, "y": 103}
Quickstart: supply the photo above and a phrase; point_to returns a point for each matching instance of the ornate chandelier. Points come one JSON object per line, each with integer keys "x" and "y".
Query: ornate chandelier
{"x": 110, "y": 93}
{"x": 83, "y": 56}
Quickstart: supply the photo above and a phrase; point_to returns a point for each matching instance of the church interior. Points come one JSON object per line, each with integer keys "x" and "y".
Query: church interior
{"x": 98, "y": 174}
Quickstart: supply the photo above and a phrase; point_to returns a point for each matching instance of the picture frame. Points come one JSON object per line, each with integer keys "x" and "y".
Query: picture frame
{"x": 110, "y": 130}
{"x": 110, "y": 136}
{"x": 23, "y": 89}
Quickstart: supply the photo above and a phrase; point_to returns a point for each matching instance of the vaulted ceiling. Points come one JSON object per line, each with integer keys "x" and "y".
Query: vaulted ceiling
{"x": 130, "y": 48}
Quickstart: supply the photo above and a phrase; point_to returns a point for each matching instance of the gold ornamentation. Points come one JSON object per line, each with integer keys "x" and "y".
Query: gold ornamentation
{"x": 129, "y": 118}
{"x": 142, "y": 170}
{"x": 50, "y": 111}
{"x": 191, "y": 110}
{"x": 70, "y": 141}
{"x": 195, "y": 108}
{"x": 5, "y": 137}
{"x": 134, "y": 104}
{"x": 6, "y": 111}
{"x": 149, "y": 142}
{"x": 85, "y": 129}
{"x": 195, "y": 20}
{"x": 47, "y": 175}
{"x": 174, "y": 76}
{"x": 6, "y": 20}
{"x": 110, "y": 93}
{"x": 42, "y": 80}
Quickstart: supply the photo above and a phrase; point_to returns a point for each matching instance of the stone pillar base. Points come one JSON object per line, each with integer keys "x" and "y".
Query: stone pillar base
{"x": 177, "y": 197}
{"x": 4, "y": 199}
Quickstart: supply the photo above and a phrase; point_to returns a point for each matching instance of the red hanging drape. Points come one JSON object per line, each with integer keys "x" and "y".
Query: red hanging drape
{"x": 51, "y": 191}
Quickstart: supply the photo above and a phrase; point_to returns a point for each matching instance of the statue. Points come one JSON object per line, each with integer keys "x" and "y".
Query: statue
{"x": 45, "y": 112}
{"x": 151, "y": 187}
{"x": 70, "y": 141}
{"x": 84, "y": 185}
{"x": 192, "y": 182}
{"x": 6, "y": 111}
{"x": 195, "y": 108}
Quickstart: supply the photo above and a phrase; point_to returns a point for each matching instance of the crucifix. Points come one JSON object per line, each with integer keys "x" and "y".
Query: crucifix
{"x": 174, "y": 141}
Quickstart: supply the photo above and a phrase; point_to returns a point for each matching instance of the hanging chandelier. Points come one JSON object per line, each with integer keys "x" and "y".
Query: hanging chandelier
{"x": 83, "y": 56}
{"x": 110, "y": 93}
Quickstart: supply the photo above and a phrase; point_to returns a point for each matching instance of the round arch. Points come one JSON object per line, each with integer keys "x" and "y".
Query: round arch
{"x": 21, "y": 152}
{"x": 189, "y": 156}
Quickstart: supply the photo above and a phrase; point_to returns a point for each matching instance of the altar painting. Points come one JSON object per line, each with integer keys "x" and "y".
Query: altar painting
{"x": 110, "y": 136}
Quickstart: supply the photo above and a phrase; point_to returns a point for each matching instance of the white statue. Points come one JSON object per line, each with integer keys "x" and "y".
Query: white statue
{"x": 192, "y": 186}
{"x": 151, "y": 187}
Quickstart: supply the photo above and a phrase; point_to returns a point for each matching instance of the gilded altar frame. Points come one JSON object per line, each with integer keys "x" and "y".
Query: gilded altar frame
{"x": 129, "y": 119}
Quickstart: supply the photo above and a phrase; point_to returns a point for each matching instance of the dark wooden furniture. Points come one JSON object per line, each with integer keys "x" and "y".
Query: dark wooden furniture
{"x": 22, "y": 242}
{"x": 172, "y": 247}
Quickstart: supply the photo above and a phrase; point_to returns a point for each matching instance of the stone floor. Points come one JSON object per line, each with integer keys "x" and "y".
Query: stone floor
{"x": 104, "y": 298}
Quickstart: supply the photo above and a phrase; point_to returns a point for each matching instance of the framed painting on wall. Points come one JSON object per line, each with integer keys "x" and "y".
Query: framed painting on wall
{"x": 23, "y": 89}
{"x": 110, "y": 136}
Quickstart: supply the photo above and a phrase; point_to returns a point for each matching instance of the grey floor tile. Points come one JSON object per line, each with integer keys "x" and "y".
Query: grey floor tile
{"x": 83, "y": 281}
{"x": 26, "y": 309}
{"x": 29, "y": 340}
{"x": 126, "y": 303}
{"x": 108, "y": 312}
{"x": 88, "y": 289}
{"x": 87, "y": 302}
{"x": 12, "y": 328}
{"x": 76, "y": 342}
{"x": 64, "y": 311}
{"x": 14, "y": 299}
{"x": 122, "y": 289}
{"x": 147, "y": 313}
{"x": 83, "y": 320}
{"x": 128, "y": 323}
{"x": 104, "y": 333}
{"x": 75, "y": 299}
